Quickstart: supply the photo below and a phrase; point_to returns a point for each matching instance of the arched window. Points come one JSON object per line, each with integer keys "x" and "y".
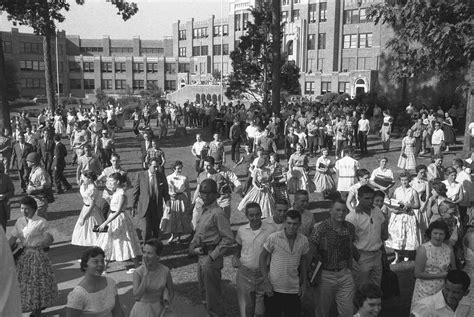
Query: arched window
{"x": 290, "y": 47}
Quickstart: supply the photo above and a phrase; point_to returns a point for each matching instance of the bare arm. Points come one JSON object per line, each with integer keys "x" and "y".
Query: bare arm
{"x": 139, "y": 284}
{"x": 420, "y": 265}
{"x": 117, "y": 311}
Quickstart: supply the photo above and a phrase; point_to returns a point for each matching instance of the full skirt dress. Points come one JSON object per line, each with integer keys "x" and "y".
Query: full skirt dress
{"x": 83, "y": 234}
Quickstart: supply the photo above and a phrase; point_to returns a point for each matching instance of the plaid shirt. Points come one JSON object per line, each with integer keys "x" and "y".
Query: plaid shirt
{"x": 334, "y": 244}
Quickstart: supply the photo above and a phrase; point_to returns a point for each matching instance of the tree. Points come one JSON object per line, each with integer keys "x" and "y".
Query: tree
{"x": 42, "y": 16}
{"x": 276, "y": 55}
{"x": 151, "y": 94}
{"x": 429, "y": 37}
{"x": 289, "y": 75}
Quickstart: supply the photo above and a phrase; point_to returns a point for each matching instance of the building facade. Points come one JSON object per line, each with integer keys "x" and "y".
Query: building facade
{"x": 84, "y": 65}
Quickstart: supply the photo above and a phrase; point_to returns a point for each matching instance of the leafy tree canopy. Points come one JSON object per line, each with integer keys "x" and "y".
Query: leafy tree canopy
{"x": 430, "y": 35}
{"x": 252, "y": 60}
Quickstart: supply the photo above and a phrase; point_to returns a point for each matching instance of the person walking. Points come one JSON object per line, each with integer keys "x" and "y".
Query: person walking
{"x": 39, "y": 184}
{"x": 212, "y": 238}
{"x": 59, "y": 164}
{"x": 21, "y": 149}
{"x": 407, "y": 159}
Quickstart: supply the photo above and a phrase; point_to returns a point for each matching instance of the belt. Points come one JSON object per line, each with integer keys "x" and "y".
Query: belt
{"x": 335, "y": 269}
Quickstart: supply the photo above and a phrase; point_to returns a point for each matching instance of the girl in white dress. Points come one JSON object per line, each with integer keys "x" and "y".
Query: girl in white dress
{"x": 90, "y": 214}
{"x": 120, "y": 242}
{"x": 403, "y": 227}
{"x": 324, "y": 183}
{"x": 59, "y": 127}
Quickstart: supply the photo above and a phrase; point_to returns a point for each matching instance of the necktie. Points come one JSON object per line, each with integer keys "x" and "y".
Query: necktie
{"x": 152, "y": 185}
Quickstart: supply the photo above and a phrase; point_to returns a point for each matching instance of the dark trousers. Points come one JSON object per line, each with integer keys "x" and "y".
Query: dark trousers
{"x": 235, "y": 150}
{"x": 59, "y": 179}
{"x": 328, "y": 143}
{"x": 136, "y": 124}
{"x": 356, "y": 136}
{"x": 23, "y": 175}
{"x": 363, "y": 142}
{"x": 209, "y": 283}
{"x": 149, "y": 225}
{"x": 312, "y": 144}
{"x": 282, "y": 305}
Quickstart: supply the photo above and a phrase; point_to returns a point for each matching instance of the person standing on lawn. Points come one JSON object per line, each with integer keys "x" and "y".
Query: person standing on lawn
{"x": 250, "y": 239}
{"x": 286, "y": 277}
{"x": 370, "y": 231}
{"x": 331, "y": 243}
{"x": 212, "y": 238}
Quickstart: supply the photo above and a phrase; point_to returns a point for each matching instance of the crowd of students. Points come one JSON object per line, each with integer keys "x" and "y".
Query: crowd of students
{"x": 428, "y": 218}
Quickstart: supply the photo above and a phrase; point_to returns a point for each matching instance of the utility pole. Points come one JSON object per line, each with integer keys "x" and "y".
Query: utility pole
{"x": 276, "y": 56}
{"x": 4, "y": 107}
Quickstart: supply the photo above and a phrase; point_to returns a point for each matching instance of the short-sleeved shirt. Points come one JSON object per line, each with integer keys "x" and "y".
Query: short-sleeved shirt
{"x": 30, "y": 231}
{"x": 283, "y": 273}
{"x": 368, "y": 229}
{"x": 39, "y": 177}
{"x": 437, "y": 137}
{"x": 364, "y": 125}
{"x": 435, "y": 306}
{"x": 334, "y": 244}
{"x": 346, "y": 168}
{"x": 252, "y": 243}
{"x": 99, "y": 303}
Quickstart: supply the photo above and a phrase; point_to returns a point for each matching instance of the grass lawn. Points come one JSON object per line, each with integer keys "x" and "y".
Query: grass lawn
{"x": 63, "y": 215}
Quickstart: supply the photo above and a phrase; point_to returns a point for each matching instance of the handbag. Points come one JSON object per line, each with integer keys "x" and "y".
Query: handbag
{"x": 96, "y": 229}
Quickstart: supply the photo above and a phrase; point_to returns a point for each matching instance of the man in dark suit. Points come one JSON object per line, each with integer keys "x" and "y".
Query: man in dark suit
{"x": 58, "y": 165}
{"x": 21, "y": 149}
{"x": 46, "y": 150}
{"x": 149, "y": 192}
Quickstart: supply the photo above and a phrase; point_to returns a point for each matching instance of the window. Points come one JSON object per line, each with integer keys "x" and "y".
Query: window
{"x": 170, "y": 84}
{"x": 120, "y": 67}
{"x": 344, "y": 87}
{"x": 91, "y": 49}
{"x": 31, "y": 65}
{"x": 182, "y": 52}
{"x": 181, "y": 35}
{"x": 311, "y": 41}
{"x": 196, "y": 50}
{"x": 152, "y": 67}
{"x": 89, "y": 84}
{"x": 74, "y": 67}
{"x": 245, "y": 20}
{"x": 321, "y": 41}
{"x": 204, "y": 50}
{"x": 325, "y": 87}
{"x": 348, "y": 63}
{"x": 365, "y": 40}
{"x": 88, "y": 67}
{"x": 362, "y": 16}
{"x": 363, "y": 63}
{"x": 225, "y": 31}
{"x": 237, "y": 22}
{"x": 216, "y": 67}
{"x": 296, "y": 14}
{"x": 321, "y": 64}
{"x": 138, "y": 84}
{"x": 75, "y": 83}
{"x": 236, "y": 44}
{"x": 311, "y": 65}
{"x": 309, "y": 88}
{"x": 151, "y": 84}
{"x": 106, "y": 84}
{"x": 199, "y": 33}
{"x": 106, "y": 67}
{"x": 33, "y": 83}
{"x": 7, "y": 46}
{"x": 183, "y": 68}
{"x": 151, "y": 50}
{"x": 169, "y": 68}
{"x": 120, "y": 84}
{"x": 138, "y": 67}
{"x": 323, "y": 11}
{"x": 31, "y": 48}
{"x": 284, "y": 16}
{"x": 285, "y": 2}
{"x": 225, "y": 49}
{"x": 121, "y": 50}
{"x": 350, "y": 41}
{"x": 217, "y": 30}
{"x": 312, "y": 13}
{"x": 216, "y": 50}
{"x": 352, "y": 16}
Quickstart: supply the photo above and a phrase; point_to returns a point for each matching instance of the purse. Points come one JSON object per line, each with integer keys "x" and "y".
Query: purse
{"x": 96, "y": 229}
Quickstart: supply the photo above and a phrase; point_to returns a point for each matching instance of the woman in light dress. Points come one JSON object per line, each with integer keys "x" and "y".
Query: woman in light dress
{"x": 455, "y": 192}
{"x": 403, "y": 226}
{"x": 178, "y": 222}
{"x": 297, "y": 171}
{"x": 422, "y": 187}
{"x": 90, "y": 215}
{"x": 153, "y": 288}
{"x": 95, "y": 295}
{"x": 386, "y": 130}
{"x": 260, "y": 192}
{"x": 120, "y": 242}
{"x": 407, "y": 159}
{"x": 279, "y": 186}
{"x": 323, "y": 181}
{"x": 59, "y": 127}
{"x": 433, "y": 261}
{"x": 38, "y": 288}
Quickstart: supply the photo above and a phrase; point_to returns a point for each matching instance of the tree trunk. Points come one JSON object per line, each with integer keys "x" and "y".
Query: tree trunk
{"x": 469, "y": 111}
{"x": 276, "y": 54}
{"x": 4, "y": 107}
{"x": 48, "y": 71}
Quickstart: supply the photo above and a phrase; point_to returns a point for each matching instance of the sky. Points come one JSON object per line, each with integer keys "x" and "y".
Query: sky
{"x": 154, "y": 19}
